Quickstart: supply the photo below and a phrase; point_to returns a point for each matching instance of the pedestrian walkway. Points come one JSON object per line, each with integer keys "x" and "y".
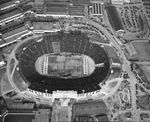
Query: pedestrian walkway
{"x": 62, "y": 112}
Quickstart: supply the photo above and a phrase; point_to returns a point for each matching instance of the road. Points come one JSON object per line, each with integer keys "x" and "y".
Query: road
{"x": 126, "y": 67}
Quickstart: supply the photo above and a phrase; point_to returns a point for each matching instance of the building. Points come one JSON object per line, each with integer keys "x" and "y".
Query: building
{"x": 96, "y": 8}
{"x": 119, "y": 2}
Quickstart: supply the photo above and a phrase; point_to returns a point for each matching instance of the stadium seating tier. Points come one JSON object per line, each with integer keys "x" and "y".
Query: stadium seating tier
{"x": 74, "y": 42}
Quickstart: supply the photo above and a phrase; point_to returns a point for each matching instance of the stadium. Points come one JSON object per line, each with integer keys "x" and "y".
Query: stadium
{"x": 57, "y": 44}
{"x": 61, "y": 65}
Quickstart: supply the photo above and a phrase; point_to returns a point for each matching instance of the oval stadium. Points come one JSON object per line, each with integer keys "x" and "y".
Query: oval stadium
{"x": 65, "y": 61}
{"x": 59, "y": 44}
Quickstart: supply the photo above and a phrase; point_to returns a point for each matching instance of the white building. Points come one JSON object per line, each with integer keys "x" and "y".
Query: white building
{"x": 120, "y": 2}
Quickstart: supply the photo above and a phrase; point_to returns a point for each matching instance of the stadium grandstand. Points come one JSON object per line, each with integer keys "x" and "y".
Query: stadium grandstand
{"x": 75, "y": 42}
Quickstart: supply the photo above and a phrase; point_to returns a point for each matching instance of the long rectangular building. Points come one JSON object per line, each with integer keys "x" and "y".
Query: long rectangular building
{"x": 15, "y": 32}
{"x": 10, "y": 15}
{"x": 113, "y": 17}
{"x": 7, "y": 4}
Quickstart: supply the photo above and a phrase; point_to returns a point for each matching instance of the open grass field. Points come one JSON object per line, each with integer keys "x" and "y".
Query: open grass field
{"x": 143, "y": 50}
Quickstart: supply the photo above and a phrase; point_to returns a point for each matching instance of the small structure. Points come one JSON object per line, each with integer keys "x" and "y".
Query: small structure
{"x": 2, "y": 62}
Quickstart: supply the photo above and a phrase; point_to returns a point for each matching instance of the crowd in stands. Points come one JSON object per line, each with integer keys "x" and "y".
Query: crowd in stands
{"x": 75, "y": 42}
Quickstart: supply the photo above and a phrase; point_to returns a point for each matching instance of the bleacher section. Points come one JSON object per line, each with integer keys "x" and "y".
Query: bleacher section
{"x": 75, "y": 42}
